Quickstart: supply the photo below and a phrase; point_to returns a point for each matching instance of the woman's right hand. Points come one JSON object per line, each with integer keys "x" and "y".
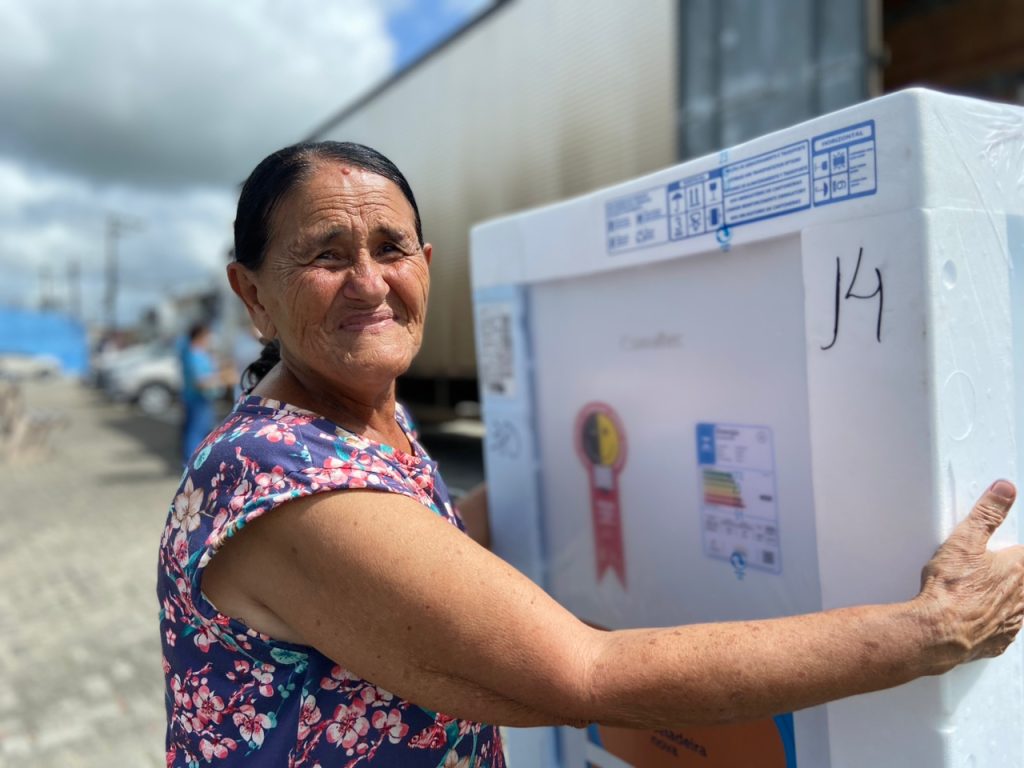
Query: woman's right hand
{"x": 973, "y": 597}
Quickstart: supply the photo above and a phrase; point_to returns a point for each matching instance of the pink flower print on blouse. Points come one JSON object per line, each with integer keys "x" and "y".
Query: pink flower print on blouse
{"x": 373, "y": 696}
{"x": 180, "y": 548}
{"x": 208, "y": 635}
{"x": 251, "y": 724}
{"x": 337, "y": 677}
{"x": 273, "y": 481}
{"x": 275, "y": 434}
{"x": 209, "y": 706}
{"x": 182, "y": 699}
{"x": 391, "y": 722}
{"x": 240, "y": 495}
{"x": 185, "y": 513}
{"x": 308, "y": 717}
{"x": 264, "y": 676}
{"x": 213, "y": 745}
{"x": 334, "y": 472}
{"x": 348, "y": 725}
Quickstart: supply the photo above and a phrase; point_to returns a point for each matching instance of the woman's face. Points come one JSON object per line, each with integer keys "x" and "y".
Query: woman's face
{"x": 344, "y": 282}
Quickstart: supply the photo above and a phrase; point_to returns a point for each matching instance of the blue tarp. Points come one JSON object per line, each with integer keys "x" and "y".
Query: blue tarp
{"x": 32, "y": 332}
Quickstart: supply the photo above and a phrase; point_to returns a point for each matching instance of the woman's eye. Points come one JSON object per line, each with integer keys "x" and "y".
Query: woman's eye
{"x": 326, "y": 256}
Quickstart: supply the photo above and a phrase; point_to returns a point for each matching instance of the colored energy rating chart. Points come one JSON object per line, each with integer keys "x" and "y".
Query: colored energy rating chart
{"x": 721, "y": 489}
{"x": 739, "y": 516}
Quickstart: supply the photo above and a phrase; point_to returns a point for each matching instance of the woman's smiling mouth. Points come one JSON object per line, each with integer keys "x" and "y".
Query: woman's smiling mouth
{"x": 363, "y": 321}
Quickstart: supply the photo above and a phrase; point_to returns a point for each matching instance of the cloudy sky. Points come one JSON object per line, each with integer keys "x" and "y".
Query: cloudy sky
{"x": 155, "y": 110}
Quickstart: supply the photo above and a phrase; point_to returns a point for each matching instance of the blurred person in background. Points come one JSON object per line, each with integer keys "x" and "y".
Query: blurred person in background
{"x": 202, "y": 384}
{"x": 323, "y": 605}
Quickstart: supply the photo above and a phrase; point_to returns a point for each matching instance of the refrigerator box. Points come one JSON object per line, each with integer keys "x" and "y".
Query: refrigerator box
{"x": 761, "y": 383}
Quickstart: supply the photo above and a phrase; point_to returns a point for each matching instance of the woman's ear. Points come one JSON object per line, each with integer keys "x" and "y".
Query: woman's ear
{"x": 243, "y": 282}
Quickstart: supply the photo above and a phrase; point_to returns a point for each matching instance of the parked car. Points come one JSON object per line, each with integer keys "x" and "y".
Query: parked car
{"x": 105, "y": 362}
{"x": 149, "y": 376}
{"x": 19, "y": 367}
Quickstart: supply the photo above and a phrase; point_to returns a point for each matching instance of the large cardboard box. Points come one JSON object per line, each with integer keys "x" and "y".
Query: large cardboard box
{"x": 763, "y": 383}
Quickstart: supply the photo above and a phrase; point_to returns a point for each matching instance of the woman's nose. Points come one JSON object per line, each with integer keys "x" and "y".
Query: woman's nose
{"x": 366, "y": 282}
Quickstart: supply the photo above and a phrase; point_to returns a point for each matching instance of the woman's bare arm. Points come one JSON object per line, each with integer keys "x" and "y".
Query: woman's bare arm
{"x": 398, "y": 596}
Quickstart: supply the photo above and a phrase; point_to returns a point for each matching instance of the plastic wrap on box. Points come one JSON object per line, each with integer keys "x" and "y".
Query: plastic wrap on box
{"x": 763, "y": 383}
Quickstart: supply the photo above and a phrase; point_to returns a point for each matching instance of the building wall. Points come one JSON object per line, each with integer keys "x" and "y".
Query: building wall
{"x": 750, "y": 67}
{"x": 973, "y": 47}
{"x": 536, "y": 102}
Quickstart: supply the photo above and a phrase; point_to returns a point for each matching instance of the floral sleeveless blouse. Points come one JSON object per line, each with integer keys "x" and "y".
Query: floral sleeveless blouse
{"x": 235, "y": 696}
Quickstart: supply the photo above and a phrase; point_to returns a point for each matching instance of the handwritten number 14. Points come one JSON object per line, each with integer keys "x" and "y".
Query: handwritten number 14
{"x": 840, "y": 297}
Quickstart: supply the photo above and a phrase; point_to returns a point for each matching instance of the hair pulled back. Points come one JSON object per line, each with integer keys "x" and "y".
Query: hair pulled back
{"x": 269, "y": 183}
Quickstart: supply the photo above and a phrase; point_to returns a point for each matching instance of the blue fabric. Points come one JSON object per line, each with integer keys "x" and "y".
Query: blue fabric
{"x": 199, "y": 422}
{"x": 196, "y": 365}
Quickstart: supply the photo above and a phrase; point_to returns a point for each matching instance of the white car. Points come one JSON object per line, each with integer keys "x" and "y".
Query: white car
{"x": 152, "y": 381}
{"x": 19, "y": 367}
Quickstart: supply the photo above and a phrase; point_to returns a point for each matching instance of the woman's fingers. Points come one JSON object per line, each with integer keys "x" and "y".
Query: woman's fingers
{"x": 980, "y": 593}
{"x": 987, "y": 515}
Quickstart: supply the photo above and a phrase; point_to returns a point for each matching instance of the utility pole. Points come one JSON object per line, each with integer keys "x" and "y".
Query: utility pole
{"x": 116, "y": 227}
{"x": 47, "y": 294}
{"x": 75, "y": 289}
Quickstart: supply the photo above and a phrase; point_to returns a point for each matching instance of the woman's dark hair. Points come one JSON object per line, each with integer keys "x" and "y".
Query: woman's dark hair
{"x": 263, "y": 191}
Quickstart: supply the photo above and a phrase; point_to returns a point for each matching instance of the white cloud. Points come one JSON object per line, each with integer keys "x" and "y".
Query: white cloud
{"x": 48, "y": 221}
{"x": 157, "y": 109}
{"x": 161, "y": 92}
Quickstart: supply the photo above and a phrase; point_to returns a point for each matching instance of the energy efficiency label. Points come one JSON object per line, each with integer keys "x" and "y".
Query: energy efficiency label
{"x": 738, "y": 506}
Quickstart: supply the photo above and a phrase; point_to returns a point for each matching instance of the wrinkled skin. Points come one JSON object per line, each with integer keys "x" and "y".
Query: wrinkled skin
{"x": 978, "y": 594}
{"x": 344, "y": 289}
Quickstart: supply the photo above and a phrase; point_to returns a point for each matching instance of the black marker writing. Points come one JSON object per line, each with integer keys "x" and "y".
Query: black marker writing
{"x": 840, "y": 297}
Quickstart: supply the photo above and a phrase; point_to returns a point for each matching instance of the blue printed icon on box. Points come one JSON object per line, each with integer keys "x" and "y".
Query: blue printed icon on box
{"x": 834, "y": 166}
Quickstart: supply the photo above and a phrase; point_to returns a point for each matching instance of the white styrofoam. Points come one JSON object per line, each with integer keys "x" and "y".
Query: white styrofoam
{"x": 855, "y": 360}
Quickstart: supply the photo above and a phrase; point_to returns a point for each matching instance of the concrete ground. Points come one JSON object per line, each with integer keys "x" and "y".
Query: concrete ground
{"x": 80, "y": 677}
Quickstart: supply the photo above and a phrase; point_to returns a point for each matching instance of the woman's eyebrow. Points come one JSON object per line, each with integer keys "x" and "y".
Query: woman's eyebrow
{"x": 328, "y": 236}
{"x": 314, "y": 241}
{"x": 390, "y": 232}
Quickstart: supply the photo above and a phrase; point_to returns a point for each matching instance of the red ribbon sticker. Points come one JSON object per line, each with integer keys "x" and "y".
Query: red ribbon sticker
{"x": 601, "y": 445}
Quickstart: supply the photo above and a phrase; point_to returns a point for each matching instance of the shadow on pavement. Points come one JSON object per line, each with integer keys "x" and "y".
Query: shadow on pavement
{"x": 156, "y": 437}
{"x": 459, "y": 457}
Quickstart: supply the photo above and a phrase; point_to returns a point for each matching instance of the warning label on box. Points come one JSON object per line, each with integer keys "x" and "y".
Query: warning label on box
{"x": 830, "y": 168}
{"x": 497, "y": 349}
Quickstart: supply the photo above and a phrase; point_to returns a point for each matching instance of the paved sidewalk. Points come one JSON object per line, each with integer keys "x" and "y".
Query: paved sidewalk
{"x": 80, "y": 677}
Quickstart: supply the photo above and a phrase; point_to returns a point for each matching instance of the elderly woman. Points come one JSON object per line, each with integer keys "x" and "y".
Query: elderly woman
{"x": 322, "y": 603}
